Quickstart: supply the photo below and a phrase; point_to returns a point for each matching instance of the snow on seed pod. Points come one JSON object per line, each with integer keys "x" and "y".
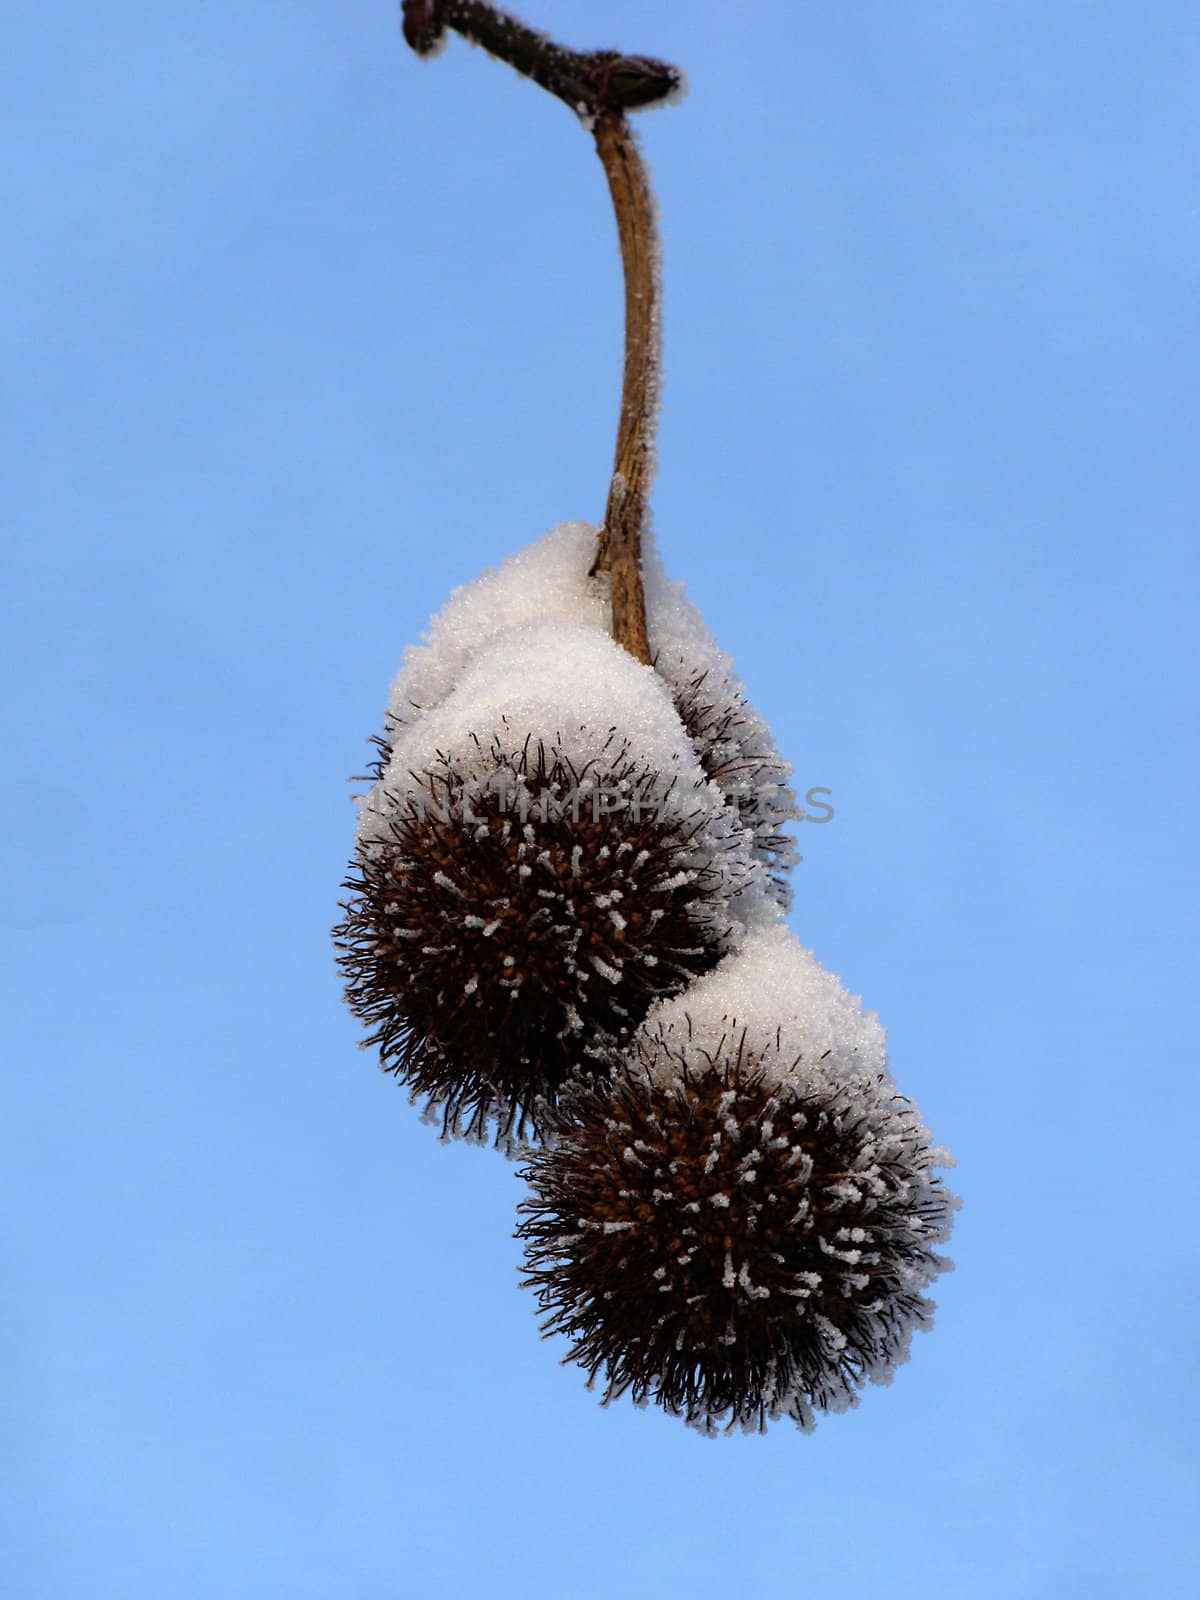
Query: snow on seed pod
{"x": 740, "y": 1225}
{"x": 540, "y": 860}
{"x": 549, "y": 580}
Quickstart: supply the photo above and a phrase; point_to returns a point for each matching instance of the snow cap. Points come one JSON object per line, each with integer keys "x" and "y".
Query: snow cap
{"x": 549, "y": 580}
{"x": 779, "y": 996}
{"x": 569, "y": 691}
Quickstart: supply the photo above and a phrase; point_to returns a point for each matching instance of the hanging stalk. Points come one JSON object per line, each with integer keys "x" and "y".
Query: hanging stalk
{"x": 600, "y": 86}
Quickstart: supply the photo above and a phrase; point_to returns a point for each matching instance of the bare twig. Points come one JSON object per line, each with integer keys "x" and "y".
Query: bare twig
{"x": 619, "y": 549}
{"x": 599, "y": 86}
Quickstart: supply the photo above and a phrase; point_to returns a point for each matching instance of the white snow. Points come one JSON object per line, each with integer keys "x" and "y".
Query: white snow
{"x": 780, "y": 996}
{"x": 546, "y": 581}
{"x": 555, "y": 680}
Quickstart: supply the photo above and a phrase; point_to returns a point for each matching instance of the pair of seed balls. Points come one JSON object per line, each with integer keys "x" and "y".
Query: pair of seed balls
{"x": 564, "y": 934}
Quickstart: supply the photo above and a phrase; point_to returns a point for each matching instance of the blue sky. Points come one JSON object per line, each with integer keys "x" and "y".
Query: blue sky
{"x": 298, "y": 333}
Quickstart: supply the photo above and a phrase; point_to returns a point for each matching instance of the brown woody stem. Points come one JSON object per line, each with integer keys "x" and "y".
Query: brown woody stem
{"x": 599, "y": 86}
{"x": 619, "y": 549}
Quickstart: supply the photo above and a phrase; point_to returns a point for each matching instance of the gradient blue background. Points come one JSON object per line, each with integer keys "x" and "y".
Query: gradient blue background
{"x": 298, "y": 333}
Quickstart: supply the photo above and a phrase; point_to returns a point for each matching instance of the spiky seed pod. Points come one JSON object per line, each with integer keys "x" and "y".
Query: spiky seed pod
{"x": 503, "y": 937}
{"x": 738, "y": 753}
{"x": 517, "y": 906}
{"x": 731, "y": 1230}
{"x": 550, "y": 579}
{"x": 732, "y": 1246}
